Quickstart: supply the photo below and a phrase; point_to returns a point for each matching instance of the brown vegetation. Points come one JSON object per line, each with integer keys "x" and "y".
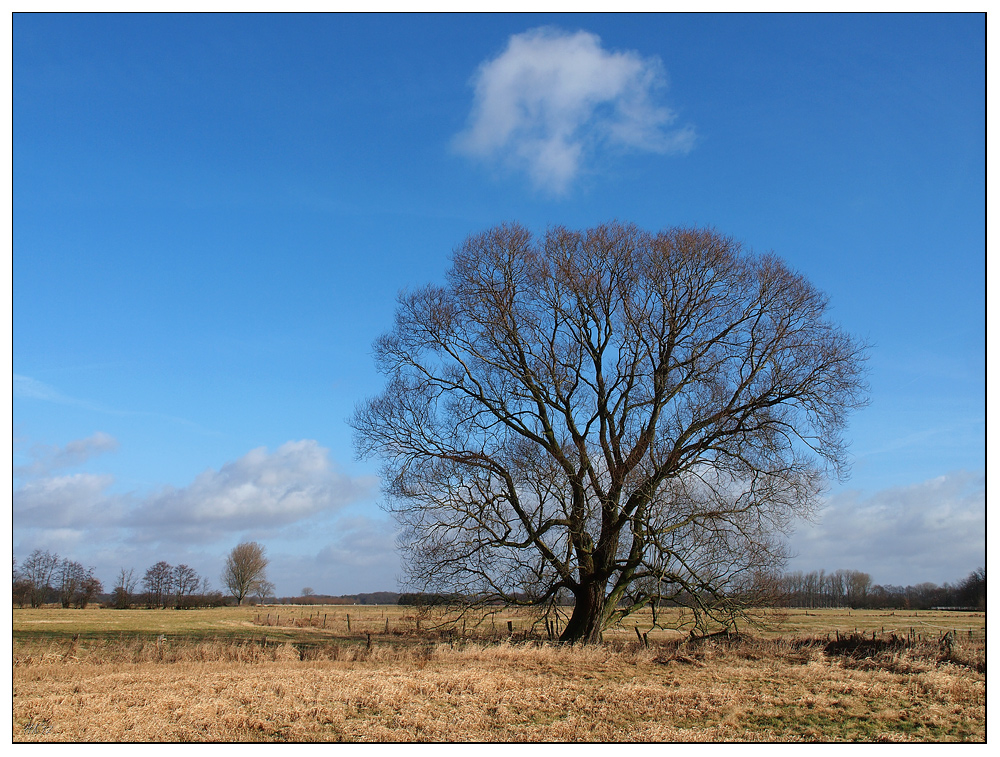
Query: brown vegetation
{"x": 737, "y": 689}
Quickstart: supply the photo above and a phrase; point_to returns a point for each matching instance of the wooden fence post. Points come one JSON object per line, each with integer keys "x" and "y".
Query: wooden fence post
{"x": 348, "y": 622}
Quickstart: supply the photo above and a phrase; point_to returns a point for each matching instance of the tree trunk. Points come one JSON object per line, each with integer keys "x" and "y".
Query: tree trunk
{"x": 586, "y": 624}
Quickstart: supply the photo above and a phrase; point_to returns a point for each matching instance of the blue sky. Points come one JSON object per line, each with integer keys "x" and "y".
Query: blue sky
{"x": 212, "y": 216}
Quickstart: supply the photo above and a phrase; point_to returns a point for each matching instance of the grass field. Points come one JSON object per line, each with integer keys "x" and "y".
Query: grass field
{"x": 298, "y": 674}
{"x": 346, "y": 623}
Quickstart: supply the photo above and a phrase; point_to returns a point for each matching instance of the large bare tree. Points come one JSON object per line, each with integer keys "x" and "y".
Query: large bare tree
{"x": 623, "y": 415}
{"x": 245, "y": 570}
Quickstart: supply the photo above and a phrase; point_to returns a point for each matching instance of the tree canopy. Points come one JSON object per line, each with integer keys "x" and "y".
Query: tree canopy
{"x": 623, "y": 415}
{"x": 245, "y": 571}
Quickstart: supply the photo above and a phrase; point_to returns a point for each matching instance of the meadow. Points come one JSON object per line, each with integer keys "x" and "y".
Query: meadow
{"x": 389, "y": 673}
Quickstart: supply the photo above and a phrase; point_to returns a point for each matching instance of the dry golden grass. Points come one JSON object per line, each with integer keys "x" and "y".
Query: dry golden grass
{"x": 717, "y": 690}
{"x": 352, "y": 623}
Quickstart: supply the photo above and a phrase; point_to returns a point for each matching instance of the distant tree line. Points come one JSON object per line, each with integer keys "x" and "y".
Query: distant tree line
{"x": 370, "y": 598}
{"x": 421, "y": 599}
{"x": 840, "y": 588}
{"x": 814, "y": 589}
{"x": 165, "y": 585}
{"x": 853, "y": 588}
{"x": 432, "y": 599}
{"x": 43, "y": 578}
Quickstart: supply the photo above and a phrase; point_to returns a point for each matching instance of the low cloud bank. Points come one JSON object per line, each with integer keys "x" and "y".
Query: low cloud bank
{"x": 261, "y": 490}
{"x": 931, "y": 531}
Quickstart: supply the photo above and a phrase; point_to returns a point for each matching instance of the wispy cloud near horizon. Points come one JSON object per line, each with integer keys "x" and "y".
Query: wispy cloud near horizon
{"x": 262, "y": 489}
{"x": 932, "y": 531}
{"x": 281, "y": 497}
{"x": 551, "y": 99}
{"x": 78, "y": 501}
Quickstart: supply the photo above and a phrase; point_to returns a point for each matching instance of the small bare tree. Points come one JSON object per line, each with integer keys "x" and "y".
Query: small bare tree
{"x": 263, "y": 590}
{"x": 628, "y": 416}
{"x": 38, "y": 572}
{"x": 185, "y": 583}
{"x": 70, "y": 576}
{"x": 89, "y": 589}
{"x": 121, "y": 595}
{"x": 21, "y": 586}
{"x": 245, "y": 568}
{"x": 77, "y": 585}
{"x": 159, "y": 583}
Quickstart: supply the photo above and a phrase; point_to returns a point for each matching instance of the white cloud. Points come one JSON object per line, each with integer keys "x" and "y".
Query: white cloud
{"x": 48, "y": 458}
{"x": 551, "y": 98}
{"x": 932, "y": 531}
{"x": 78, "y": 500}
{"x": 293, "y": 496}
{"x": 261, "y": 489}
